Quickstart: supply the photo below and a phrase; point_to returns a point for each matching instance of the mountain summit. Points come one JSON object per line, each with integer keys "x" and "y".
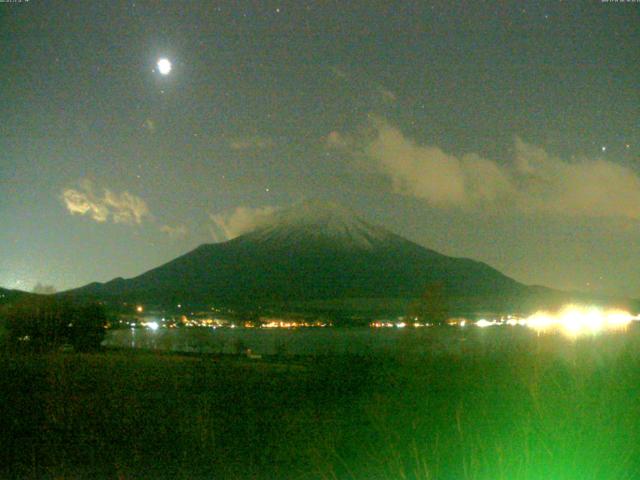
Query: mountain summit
{"x": 316, "y": 221}
{"x": 312, "y": 251}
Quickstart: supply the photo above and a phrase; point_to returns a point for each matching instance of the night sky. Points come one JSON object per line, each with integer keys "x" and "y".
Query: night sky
{"x": 508, "y": 132}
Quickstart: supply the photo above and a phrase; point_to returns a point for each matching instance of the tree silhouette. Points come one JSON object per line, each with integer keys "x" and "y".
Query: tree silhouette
{"x": 432, "y": 306}
{"x": 87, "y": 327}
{"x": 44, "y": 323}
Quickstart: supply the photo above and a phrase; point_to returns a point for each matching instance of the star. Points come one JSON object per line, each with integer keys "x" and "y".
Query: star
{"x": 604, "y": 148}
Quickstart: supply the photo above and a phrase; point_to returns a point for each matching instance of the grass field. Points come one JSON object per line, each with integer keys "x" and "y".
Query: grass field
{"x": 512, "y": 416}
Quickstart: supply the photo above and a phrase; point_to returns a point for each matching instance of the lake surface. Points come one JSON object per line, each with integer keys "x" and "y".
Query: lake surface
{"x": 373, "y": 341}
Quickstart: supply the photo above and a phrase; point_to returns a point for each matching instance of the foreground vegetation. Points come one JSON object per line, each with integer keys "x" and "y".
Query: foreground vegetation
{"x": 45, "y": 323}
{"x": 504, "y": 416}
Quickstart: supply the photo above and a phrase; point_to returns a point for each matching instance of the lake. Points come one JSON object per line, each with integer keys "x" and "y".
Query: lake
{"x": 371, "y": 341}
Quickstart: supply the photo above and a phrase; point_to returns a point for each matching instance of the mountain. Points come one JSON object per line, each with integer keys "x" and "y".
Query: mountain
{"x": 312, "y": 252}
{"x": 10, "y": 296}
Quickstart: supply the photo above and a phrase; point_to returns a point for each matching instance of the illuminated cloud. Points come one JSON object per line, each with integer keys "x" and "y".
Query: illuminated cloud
{"x": 175, "y": 232}
{"x": 430, "y": 173}
{"x": 534, "y": 182}
{"x": 85, "y": 202}
{"x": 255, "y": 142}
{"x": 124, "y": 207}
{"x": 588, "y": 187}
{"x": 241, "y": 220}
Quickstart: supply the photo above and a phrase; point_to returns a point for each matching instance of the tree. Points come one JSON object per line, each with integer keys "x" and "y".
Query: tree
{"x": 87, "y": 329}
{"x": 432, "y": 306}
{"x": 44, "y": 323}
{"x": 34, "y": 322}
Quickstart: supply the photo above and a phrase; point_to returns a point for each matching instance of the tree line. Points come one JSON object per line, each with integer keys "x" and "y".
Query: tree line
{"x": 43, "y": 323}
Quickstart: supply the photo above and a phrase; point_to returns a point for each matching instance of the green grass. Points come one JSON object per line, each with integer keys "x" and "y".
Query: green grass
{"x": 513, "y": 416}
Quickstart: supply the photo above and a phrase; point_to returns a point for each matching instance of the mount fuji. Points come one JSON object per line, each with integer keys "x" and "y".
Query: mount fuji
{"x": 314, "y": 251}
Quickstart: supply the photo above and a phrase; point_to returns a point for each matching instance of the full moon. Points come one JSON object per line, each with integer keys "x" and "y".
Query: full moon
{"x": 164, "y": 66}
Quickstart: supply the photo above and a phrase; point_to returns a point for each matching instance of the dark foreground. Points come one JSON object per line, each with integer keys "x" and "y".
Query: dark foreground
{"x": 137, "y": 415}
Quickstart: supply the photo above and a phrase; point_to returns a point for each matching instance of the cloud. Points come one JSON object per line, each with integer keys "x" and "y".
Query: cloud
{"x": 534, "y": 181}
{"x": 241, "y": 220}
{"x": 82, "y": 203}
{"x": 425, "y": 172}
{"x": 85, "y": 202}
{"x": 44, "y": 289}
{"x": 124, "y": 207}
{"x": 589, "y": 187}
{"x": 255, "y": 142}
{"x": 175, "y": 232}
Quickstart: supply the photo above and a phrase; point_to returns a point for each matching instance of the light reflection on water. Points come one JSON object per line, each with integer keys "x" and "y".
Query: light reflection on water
{"x": 369, "y": 341}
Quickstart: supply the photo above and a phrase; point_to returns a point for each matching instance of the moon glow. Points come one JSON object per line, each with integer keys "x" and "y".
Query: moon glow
{"x": 164, "y": 66}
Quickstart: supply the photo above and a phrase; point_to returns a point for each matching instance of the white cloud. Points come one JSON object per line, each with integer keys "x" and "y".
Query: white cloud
{"x": 255, "y": 142}
{"x": 241, "y": 220}
{"x": 534, "y": 182}
{"x": 125, "y": 207}
{"x": 175, "y": 232}
{"x": 122, "y": 207}
{"x": 589, "y": 187}
{"x": 84, "y": 202}
{"x": 425, "y": 172}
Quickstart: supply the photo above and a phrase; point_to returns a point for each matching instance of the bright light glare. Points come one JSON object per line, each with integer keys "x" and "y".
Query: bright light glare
{"x": 571, "y": 320}
{"x": 164, "y": 66}
{"x": 575, "y": 320}
{"x": 482, "y": 323}
{"x": 152, "y": 325}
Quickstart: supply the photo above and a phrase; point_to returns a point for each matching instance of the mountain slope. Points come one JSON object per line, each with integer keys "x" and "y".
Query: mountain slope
{"x": 310, "y": 252}
{"x": 10, "y": 296}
